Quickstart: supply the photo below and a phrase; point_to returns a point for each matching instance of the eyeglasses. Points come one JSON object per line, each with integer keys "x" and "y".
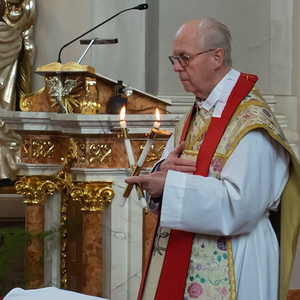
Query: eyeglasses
{"x": 185, "y": 59}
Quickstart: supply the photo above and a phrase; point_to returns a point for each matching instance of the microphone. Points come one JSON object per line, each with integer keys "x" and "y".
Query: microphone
{"x": 139, "y": 7}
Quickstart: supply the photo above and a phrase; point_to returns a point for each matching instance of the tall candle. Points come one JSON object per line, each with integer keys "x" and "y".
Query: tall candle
{"x": 126, "y": 139}
{"x": 149, "y": 142}
{"x": 157, "y": 123}
{"x": 130, "y": 157}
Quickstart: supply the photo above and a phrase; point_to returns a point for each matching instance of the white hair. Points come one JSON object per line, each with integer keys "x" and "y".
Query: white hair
{"x": 212, "y": 35}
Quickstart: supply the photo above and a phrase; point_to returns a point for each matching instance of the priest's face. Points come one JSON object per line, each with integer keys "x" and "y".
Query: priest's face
{"x": 198, "y": 75}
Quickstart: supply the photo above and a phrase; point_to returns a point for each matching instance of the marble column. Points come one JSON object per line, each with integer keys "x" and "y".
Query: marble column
{"x": 34, "y": 219}
{"x": 122, "y": 236}
{"x": 92, "y": 254}
{"x": 34, "y": 190}
{"x": 93, "y": 195}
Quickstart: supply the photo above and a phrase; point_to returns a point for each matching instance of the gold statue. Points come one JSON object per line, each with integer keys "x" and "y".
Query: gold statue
{"x": 16, "y": 61}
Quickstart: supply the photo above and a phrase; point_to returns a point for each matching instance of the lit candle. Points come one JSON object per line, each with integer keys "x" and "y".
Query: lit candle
{"x": 122, "y": 118}
{"x": 130, "y": 158}
{"x": 157, "y": 123}
{"x": 144, "y": 154}
{"x": 149, "y": 141}
{"x": 126, "y": 139}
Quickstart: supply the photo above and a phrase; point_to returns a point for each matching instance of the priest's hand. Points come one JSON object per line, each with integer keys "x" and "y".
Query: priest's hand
{"x": 175, "y": 163}
{"x": 152, "y": 183}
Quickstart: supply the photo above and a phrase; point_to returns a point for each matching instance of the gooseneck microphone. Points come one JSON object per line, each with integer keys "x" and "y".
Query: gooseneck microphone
{"x": 139, "y": 7}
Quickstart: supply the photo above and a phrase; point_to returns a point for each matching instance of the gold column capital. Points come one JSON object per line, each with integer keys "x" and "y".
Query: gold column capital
{"x": 92, "y": 194}
{"x": 35, "y": 188}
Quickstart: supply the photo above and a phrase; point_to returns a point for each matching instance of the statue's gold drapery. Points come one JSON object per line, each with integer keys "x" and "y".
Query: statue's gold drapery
{"x": 16, "y": 61}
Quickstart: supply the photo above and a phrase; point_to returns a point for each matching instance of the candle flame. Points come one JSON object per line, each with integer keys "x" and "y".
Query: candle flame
{"x": 157, "y": 114}
{"x": 122, "y": 113}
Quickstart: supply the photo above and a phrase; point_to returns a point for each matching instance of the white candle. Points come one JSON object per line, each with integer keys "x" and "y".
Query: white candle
{"x": 149, "y": 142}
{"x": 122, "y": 117}
{"x": 157, "y": 123}
{"x": 144, "y": 202}
{"x": 123, "y": 124}
{"x": 126, "y": 140}
{"x": 129, "y": 152}
{"x": 144, "y": 153}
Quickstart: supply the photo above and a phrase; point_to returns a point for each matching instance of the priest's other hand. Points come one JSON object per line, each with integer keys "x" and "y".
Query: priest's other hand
{"x": 175, "y": 163}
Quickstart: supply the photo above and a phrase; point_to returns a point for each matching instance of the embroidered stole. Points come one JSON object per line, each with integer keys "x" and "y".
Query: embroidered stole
{"x": 211, "y": 256}
{"x": 172, "y": 281}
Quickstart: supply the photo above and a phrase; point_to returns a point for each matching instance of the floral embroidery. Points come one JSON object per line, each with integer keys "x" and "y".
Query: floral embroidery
{"x": 195, "y": 290}
{"x": 208, "y": 268}
{"x": 266, "y": 112}
{"x": 216, "y": 165}
{"x": 221, "y": 243}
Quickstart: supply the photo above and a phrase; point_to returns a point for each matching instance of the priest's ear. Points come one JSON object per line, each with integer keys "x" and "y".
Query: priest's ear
{"x": 218, "y": 58}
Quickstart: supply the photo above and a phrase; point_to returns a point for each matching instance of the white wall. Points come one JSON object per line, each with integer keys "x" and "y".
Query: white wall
{"x": 60, "y": 21}
{"x": 248, "y": 21}
{"x": 126, "y": 60}
{"x": 57, "y": 22}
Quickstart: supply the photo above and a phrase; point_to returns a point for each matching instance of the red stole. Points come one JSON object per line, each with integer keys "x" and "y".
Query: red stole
{"x": 173, "y": 276}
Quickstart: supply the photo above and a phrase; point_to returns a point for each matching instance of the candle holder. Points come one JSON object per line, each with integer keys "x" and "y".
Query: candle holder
{"x": 142, "y": 158}
{"x": 131, "y": 159}
{"x": 135, "y": 170}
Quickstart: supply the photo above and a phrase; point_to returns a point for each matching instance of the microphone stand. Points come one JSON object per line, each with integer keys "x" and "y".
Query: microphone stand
{"x": 94, "y": 41}
{"x": 86, "y": 50}
{"x": 140, "y": 7}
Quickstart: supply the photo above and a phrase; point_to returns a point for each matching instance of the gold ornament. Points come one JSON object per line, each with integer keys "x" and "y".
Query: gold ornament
{"x": 92, "y": 194}
{"x": 35, "y": 188}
